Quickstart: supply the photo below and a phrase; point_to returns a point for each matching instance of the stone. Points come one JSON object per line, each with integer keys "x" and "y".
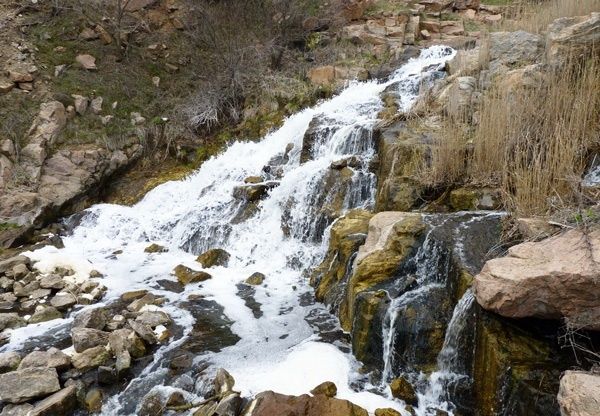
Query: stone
{"x": 45, "y": 313}
{"x": 30, "y": 383}
{"x": 403, "y": 390}
{"x": 90, "y": 358}
{"x": 8, "y": 299}
{"x": 52, "y": 281}
{"x": 93, "y": 400}
{"x": 16, "y": 409}
{"x": 62, "y": 402}
{"x": 186, "y": 276}
{"x": 269, "y": 403}
{"x": 11, "y": 262}
{"x": 133, "y": 295}
{"x": 11, "y": 321}
{"x": 105, "y": 37}
{"x": 391, "y": 237}
{"x": 9, "y": 361}
{"x": 155, "y": 248}
{"x": 324, "y": 75}
{"x": 126, "y": 340}
{"x": 387, "y": 412}
{"x": 88, "y": 34}
{"x": 223, "y": 382}
{"x": 136, "y": 119}
{"x": 571, "y": 37}
{"x": 579, "y": 394}
{"x": 86, "y": 338}
{"x": 138, "y": 304}
{"x": 156, "y": 81}
{"x": 20, "y": 271}
{"x": 52, "y": 358}
{"x": 144, "y": 331}
{"x": 535, "y": 229}
{"x": 255, "y": 279}
{"x": 214, "y": 257}
{"x": 19, "y": 77}
{"x": 81, "y": 103}
{"x": 230, "y": 405}
{"x": 123, "y": 361}
{"x": 91, "y": 318}
{"x": 153, "y": 318}
{"x": 550, "y": 279}
{"x": 6, "y": 86}
{"x": 327, "y": 388}
{"x": 108, "y": 375}
{"x": 86, "y": 61}
{"x": 96, "y": 105}
{"x": 515, "y": 48}
{"x": 63, "y": 300}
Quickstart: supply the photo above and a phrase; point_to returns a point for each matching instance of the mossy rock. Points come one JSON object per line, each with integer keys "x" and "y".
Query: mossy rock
{"x": 367, "y": 343}
{"x": 515, "y": 372}
{"x": 380, "y": 261}
{"x": 255, "y": 279}
{"x": 403, "y": 390}
{"x": 155, "y": 248}
{"x": 387, "y": 412}
{"x": 186, "y": 276}
{"x": 346, "y": 236}
{"x": 327, "y": 388}
{"x": 214, "y": 257}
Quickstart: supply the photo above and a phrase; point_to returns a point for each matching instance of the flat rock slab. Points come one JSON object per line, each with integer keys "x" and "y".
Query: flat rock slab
{"x": 22, "y": 385}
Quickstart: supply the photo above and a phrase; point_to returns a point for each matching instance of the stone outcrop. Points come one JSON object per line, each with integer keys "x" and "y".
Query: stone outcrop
{"x": 550, "y": 279}
{"x": 572, "y": 38}
{"x": 579, "y": 394}
{"x": 270, "y": 403}
{"x": 391, "y": 237}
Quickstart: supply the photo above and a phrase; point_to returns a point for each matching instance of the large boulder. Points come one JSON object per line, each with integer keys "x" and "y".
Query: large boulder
{"x": 550, "y": 279}
{"x": 514, "y": 49}
{"x": 579, "y": 394}
{"x": 22, "y": 385}
{"x": 572, "y": 37}
{"x": 269, "y": 403}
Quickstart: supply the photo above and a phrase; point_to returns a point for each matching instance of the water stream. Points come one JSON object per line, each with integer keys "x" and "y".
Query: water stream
{"x": 281, "y": 346}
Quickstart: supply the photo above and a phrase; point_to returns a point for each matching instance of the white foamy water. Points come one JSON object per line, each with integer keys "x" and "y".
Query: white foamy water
{"x": 280, "y": 350}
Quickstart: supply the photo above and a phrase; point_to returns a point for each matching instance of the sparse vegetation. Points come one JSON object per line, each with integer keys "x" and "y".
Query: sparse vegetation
{"x": 534, "y": 15}
{"x": 534, "y": 143}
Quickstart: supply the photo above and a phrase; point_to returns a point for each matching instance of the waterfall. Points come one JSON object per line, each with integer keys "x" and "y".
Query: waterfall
{"x": 281, "y": 236}
{"x": 451, "y": 368}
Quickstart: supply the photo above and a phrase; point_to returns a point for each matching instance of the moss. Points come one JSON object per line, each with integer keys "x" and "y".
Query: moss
{"x": 4, "y": 226}
{"x": 513, "y": 368}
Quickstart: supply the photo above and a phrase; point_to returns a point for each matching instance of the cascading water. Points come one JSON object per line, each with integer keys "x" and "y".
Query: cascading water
{"x": 279, "y": 348}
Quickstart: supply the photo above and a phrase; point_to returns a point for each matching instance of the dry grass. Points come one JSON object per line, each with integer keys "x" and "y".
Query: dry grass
{"x": 534, "y": 143}
{"x": 535, "y": 15}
